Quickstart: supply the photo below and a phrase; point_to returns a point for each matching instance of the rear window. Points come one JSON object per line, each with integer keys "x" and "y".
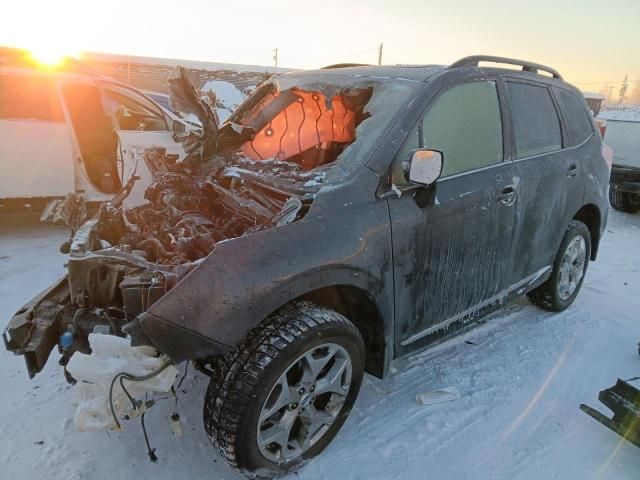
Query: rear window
{"x": 576, "y": 118}
{"x": 29, "y": 98}
{"x": 536, "y": 122}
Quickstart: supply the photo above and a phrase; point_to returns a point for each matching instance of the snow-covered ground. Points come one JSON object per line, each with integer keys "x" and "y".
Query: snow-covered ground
{"x": 521, "y": 377}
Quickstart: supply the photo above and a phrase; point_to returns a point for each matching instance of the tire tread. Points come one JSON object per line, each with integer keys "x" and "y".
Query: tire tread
{"x": 544, "y": 295}
{"x": 622, "y": 200}
{"x": 238, "y": 374}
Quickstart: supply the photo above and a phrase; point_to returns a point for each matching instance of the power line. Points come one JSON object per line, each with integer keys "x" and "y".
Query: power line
{"x": 392, "y": 60}
{"x": 356, "y": 53}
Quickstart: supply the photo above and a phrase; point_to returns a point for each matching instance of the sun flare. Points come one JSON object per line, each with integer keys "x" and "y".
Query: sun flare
{"x": 50, "y": 55}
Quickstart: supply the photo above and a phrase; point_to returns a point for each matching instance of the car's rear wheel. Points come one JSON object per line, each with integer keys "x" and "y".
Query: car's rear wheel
{"x": 624, "y": 201}
{"x": 283, "y": 394}
{"x": 569, "y": 270}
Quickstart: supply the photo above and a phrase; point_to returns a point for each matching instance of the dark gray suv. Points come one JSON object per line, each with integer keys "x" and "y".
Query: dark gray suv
{"x": 340, "y": 219}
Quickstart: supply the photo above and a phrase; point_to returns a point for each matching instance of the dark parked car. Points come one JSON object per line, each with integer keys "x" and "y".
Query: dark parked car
{"x": 340, "y": 219}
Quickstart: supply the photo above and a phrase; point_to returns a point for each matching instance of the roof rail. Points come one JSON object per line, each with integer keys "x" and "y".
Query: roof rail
{"x": 474, "y": 60}
{"x": 345, "y": 65}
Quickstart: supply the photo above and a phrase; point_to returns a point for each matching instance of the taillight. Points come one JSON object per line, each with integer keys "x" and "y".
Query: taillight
{"x": 607, "y": 154}
{"x": 602, "y": 125}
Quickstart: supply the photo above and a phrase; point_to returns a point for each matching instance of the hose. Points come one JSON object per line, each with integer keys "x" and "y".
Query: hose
{"x": 132, "y": 378}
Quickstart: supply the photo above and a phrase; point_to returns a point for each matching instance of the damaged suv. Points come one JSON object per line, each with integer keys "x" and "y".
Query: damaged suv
{"x": 340, "y": 219}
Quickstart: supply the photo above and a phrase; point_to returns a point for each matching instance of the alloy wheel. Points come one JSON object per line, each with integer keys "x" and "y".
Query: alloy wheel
{"x": 304, "y": 402}
{"x": 572, "y": 267}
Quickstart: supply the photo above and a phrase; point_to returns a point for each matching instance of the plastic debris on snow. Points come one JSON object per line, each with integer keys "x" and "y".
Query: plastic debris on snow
{"x": 441, "y": 395}
{"x": 111, "y": 355}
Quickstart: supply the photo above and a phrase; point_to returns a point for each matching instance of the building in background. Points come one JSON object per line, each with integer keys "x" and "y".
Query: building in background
{"x": 594, "y": 100}
{"x": 149, "y": 73}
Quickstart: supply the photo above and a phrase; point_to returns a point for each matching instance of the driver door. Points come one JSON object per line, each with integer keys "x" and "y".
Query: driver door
{"x": 452, "y": 254}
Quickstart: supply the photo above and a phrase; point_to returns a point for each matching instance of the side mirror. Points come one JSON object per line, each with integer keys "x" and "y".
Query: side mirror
{"x": 425, "y": 166}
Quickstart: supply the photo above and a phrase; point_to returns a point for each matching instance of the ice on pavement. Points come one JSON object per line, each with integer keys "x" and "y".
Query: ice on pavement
{"x": 517, "y": 419}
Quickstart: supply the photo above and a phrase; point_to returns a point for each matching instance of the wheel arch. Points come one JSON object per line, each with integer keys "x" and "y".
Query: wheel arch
{"x": 359, "y": 307}
{"x": 590, "y": 215}
{"x": 363, "y": 298}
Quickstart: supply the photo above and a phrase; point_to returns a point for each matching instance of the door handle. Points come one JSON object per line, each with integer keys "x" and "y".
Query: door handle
{"x": 507, "y": 196}
{"x": 573, "y": 171}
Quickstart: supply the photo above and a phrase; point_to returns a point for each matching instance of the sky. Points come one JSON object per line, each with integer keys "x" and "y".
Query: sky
{"x": 589, "y": 41}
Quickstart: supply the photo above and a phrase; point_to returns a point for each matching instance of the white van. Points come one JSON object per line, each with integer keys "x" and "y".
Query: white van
{"x": 69, "y": 129}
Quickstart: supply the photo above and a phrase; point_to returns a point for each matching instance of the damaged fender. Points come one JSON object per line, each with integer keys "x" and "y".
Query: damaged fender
{"x": 243, "y": 281}
{"x": 246, "y": 223}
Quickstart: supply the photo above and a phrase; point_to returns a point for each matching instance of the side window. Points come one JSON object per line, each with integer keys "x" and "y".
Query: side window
{"x": 464, "y": 123}
{"x": 134, "y": 112}
{"x": 536, "y": 122}
{"x": 24, "y": 97}
{"x": 576, "y": 118}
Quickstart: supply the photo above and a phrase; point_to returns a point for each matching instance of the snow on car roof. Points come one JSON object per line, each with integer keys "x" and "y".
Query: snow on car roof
{"x": 625, "y": 114}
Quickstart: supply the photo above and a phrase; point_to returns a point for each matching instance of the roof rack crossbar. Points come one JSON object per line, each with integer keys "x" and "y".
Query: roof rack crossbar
{"x": 475, "y": 60}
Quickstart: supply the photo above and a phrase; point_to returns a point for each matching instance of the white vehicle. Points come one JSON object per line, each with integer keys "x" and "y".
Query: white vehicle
{"x": 68, "y": 129}
{"x": 622, "y": 134}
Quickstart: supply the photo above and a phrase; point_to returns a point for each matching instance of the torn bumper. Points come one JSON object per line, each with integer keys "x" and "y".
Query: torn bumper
{"x": 623, "y": 400}
{"x": 35, "y": 328}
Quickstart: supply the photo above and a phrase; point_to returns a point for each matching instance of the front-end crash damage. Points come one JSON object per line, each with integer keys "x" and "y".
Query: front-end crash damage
{"x": 260, "y": 170}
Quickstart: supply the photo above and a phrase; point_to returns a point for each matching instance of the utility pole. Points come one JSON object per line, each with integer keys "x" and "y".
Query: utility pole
{"x": 623, "y": 88}
{"x": 380, "y": 54}
{"x": 275, "y": 56}
{"x": 610, "y": 92}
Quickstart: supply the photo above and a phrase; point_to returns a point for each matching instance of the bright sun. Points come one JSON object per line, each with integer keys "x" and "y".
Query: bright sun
{"x": 50, "y": 55}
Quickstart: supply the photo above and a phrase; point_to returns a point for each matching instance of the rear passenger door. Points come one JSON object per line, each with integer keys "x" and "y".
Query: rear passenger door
{"x": 549, "y": 190}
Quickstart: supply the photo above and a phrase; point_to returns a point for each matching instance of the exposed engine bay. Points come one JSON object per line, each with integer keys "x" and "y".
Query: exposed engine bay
{"x": 260, "y": 170}
{"x": 196, "y": 246}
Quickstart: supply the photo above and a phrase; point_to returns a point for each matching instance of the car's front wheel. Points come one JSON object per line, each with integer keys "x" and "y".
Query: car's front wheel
{"x": 284, "y": 393}
{"x": 569, "y": 269}
{"x": 624, "y": 201}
